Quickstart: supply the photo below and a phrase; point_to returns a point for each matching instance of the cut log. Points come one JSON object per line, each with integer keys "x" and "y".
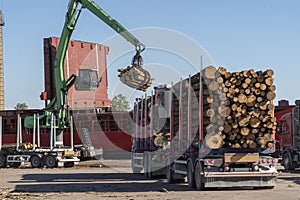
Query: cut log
{"x": 242, "y": 98}
{"x": 245, "y": 73}
{"x": 213, "y": 141}
{"x": 227, "y": 128}
{"x": 209, "y": 72}
{"x": 252, "y": 145}
{"x": 269, "y": 81}
{"x": 271, "y": 96}
{"x": 263, "y": 86}
{"x": 272, "y": 88}
{"x": 245, "y": 131}
{"x": 227, "y": 75}
{"x": 222, "y": 70}
{"x": 269, "y": 72}
{"x": 220, "y": 80}
{"x": 254, "y": 122}
{"x": 261, "y": 141}
{"x": 213, "y": 86}
{"x": 244, "y": 121}
{"x": 244, "y": 85}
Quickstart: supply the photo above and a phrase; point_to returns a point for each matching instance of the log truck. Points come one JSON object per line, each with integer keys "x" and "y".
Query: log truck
{"x": 56, "y": 115}
{"x": 212, "y": 129}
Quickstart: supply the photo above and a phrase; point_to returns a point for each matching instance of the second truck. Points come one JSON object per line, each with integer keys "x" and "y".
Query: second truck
{"x": 57, "y": 115}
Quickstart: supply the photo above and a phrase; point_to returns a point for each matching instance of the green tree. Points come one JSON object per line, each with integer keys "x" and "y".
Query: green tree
{"x": 120, "y": 103}
{"x": 21, "y": 106}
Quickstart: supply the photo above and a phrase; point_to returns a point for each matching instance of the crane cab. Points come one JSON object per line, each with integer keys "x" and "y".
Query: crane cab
{"x": 87, "y": 79}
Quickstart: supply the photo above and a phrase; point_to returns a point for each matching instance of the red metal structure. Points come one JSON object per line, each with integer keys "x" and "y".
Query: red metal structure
{"x": 80, "y": 56}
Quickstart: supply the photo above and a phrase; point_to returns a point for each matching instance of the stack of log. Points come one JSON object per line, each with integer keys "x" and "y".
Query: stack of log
{"x": 161, "y": 132}
{"x": 238, "y": 108}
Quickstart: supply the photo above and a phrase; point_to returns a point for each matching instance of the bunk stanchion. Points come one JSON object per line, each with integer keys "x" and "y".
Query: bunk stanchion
{"x": 38, "y": 132}
{"x": 18, "y": 133}
{"x": 136, "y": 141}
{"x": 1, "y": 132}
{"x": 189, "y": 136}
{"x": 54, "y": 132}
{"x": 180, "y": 116}
{"x": 151, "y": 122}
{"x": 51, "y": 131}
{"x": 201, "y": 106}
{"x": 71, "y": 133}
{"x": 34, "y": 132}
{"x": 171, "y": 117}
{"x": 145, "y": 123}
{"x": 141, "y": 127}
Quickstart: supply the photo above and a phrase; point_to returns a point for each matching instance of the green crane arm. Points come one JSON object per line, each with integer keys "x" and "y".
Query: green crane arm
{"x": 59, "y": 103}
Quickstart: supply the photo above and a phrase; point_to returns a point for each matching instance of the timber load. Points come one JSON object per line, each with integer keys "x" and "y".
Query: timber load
{"x": 237, "y": 110}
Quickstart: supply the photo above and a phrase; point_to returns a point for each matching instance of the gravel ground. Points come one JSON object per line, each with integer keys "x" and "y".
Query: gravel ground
{"x": 113, "y": 180}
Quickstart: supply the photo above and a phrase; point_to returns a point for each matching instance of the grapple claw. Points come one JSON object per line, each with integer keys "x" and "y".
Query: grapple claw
{"x": 135, "y": 77}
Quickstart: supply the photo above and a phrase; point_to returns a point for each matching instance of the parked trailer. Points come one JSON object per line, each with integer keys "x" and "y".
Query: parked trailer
{"x": 38, "y": 156}
{"x": 183, "y": 152}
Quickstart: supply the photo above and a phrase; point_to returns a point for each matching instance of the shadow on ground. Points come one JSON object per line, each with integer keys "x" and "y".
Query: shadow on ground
{"x": 93, "y": 182}
{"x": 98, "y": 182}
{"x": 292, "y": 177}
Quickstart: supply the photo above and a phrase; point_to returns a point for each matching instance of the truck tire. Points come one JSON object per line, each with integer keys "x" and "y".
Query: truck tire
{"x": 170, "y": 174}
{"x": 287, "y": 162}
{"x": 2, "y": 161}
{"x": 35, "y": 161}
{"x": 50, "y": 161}
{"x": 191, "y": 175}
{"x": 199, "y": 177}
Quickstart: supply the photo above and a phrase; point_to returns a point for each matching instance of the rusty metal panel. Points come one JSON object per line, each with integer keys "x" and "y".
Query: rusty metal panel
{"x": 80, "y": 55}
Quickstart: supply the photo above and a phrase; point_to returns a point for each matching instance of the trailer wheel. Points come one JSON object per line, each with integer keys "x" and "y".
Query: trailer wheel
{"x": 170, "y": 174}
{"x": 199, "y": 176}
{"x": 35, "y": 161}
{"x": 287, "y": 163}
{"x": 2, "y": 161}
{"x": 191, "y": 175}
{"x": 50, "y": 161}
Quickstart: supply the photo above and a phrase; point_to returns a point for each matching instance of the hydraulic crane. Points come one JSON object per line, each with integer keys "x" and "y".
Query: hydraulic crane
{"x": 58, "y": 106}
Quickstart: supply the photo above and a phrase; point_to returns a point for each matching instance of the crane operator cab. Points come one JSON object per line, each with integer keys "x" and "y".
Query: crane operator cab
{"x": 134, "y": 75}
{"x": 87, "y": 79}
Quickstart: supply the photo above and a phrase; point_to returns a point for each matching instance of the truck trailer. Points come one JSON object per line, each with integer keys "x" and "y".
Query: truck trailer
{"x": 36, "y": 148}
{"x": 215, "y": 128}
{"x": 289, "y": 133}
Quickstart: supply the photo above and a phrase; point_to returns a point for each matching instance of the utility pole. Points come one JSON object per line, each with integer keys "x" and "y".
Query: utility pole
{"x": 1, "y": 63}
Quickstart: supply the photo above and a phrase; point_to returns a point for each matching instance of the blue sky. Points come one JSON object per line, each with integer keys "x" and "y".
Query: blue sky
{"x": 239, "y": 35}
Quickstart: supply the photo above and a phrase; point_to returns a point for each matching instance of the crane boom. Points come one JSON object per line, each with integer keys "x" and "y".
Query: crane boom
{"x": 58, "y": 105}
